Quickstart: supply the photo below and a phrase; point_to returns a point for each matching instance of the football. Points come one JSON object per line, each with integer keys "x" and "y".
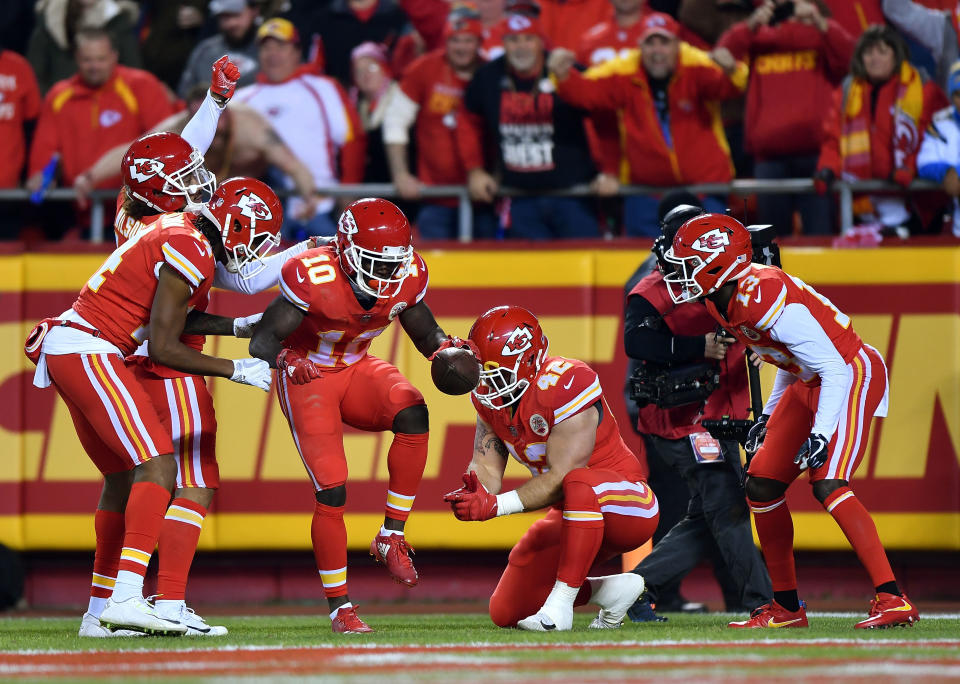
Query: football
{"x": 455, "y": 371}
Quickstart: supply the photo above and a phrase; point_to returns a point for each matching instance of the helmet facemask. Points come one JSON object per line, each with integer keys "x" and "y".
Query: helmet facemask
{"x": 379, "y": 273}
{"x": 499, "y": 386}
{"x": 681, "y": 281}
{"x": 193, "y": 182}
{"x": 245, "y": 257}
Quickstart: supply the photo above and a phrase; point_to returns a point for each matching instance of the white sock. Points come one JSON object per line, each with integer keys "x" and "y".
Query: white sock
{"x": 384, "y": 532}
{"x": 169, "y": 609}
{"x": 602, "y": 593}
{"x": 129, "y": 585}
{"x": 345, "y": 605}
{"x": 95, "y": 607}
{"x": 560, "y": 601}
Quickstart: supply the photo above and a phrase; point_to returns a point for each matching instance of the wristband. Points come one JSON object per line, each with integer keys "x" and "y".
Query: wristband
{"x": 509, "y": 503}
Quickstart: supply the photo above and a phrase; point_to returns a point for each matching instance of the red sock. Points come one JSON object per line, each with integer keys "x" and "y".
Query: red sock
{"x": 109, "y": 528}
{"x": 329, "y": 535}
{"x": 178, "y": 543}
{"x": 143, "y": 520}
{"x": 861, "y": 532}
{"x": 405, "y": 461}
{"x": 775, "y": 530}
{"x": 581, "y": 532}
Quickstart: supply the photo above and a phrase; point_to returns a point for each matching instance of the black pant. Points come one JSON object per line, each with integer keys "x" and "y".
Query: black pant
{"x": 716, "y": 515}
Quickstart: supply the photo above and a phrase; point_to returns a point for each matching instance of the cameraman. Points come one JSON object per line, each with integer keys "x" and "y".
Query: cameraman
{"x": 667, "y": 336}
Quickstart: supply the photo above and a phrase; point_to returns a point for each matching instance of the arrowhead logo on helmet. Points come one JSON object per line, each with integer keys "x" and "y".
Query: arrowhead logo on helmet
{"x": 520, "y": 340}
{"x": 713, "y": 241}
{"x": 254, "y": 208}
{"x": 144, "y": 169}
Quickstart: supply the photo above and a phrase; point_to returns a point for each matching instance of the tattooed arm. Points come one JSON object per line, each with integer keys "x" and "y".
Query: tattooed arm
{"x": 489, "y": 457}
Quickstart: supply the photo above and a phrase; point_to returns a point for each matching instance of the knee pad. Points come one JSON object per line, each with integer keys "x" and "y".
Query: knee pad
{"x": 822, "y": 489}
{"x": 763, "y": 489}
{"x": 413, "y": 420}
{"x": 334, "y": 497}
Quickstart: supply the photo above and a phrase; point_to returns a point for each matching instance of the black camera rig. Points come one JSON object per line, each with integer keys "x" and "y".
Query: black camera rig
{"x": 668, "y": 386}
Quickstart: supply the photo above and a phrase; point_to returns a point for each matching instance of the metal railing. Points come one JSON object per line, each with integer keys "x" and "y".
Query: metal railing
{"x": 746, "y": 186}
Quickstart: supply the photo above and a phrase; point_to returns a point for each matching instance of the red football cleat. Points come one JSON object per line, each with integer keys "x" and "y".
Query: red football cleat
{"x": 348, "y": 622}
{"x": 773, "y": 615}
{"x": 393, "y": 551}
{"x": 887, "y": 610}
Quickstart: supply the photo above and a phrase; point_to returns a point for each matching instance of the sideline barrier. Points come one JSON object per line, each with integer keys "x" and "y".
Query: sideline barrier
{"x": 904, "y": 301}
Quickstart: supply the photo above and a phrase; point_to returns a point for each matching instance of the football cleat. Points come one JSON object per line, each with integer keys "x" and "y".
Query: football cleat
{"x": 348, "y": 622}
{"x": 197, "y": 626}
{"x": 642, "y": 611}
{"x": 627, "y": 587}
{"x": 889, "y": 610}
{"x": 541, "y": 622}
{"x": 394, "y": 552}
{"x": 138, "y": 615}
{"x": 90, "y": 627}
{"x": 772, "y": 615}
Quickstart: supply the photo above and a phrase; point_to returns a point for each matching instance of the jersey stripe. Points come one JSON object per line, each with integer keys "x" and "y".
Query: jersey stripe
{"x": 182, "y": 265}
{"x": 585, "y": 398}
{"x": 292, "y": 298}
{"x": 773, "y": 312}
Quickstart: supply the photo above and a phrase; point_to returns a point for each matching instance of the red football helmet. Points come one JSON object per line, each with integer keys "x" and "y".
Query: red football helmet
{"x": 708, "y": 251}
{"x": 249, "y": 216}
{"x": 374, "y": 245}
{"x": 512, "y": 350}
{"x": 165, "y": 172}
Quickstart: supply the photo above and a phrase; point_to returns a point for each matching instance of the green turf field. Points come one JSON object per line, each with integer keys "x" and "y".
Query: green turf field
{"x": 467, "y": 648}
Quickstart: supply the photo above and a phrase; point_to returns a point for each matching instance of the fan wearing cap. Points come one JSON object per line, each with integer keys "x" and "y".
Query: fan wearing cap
{"x": 540, "y": 140}
{"x": 312, "y": 115}
{"x": 429, "y": 96}
{"x": 667, "y": 91}
{"x": 237, "y": 22}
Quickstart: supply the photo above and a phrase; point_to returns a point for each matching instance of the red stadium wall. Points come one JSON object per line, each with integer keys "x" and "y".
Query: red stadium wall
{"x": 904, "y": 301}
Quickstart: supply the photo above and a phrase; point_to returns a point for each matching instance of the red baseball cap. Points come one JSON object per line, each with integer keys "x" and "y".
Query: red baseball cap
{"x": 464, "y": 18}
{"x": 521, "y": 23}
{"x": 660, "y": 24}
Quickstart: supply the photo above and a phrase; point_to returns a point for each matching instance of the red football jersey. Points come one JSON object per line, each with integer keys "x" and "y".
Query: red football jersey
{"x": 761, "y": 298}
{"x": 117, "y": 298}
{"x": 337, "y": 331}
{"x": 564, "y": 388}
{"x": 125, "y": 227}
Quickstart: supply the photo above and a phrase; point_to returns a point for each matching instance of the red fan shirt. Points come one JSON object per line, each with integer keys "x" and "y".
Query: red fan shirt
{"x": 19, "y": 102}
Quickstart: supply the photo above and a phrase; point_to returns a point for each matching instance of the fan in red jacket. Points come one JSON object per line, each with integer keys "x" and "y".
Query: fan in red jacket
{"x": 794, "y": 66}
{"x": 876, "y": 124}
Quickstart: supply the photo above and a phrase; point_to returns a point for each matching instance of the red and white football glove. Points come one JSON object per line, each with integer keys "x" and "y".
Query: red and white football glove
{"x": 472, "y": 501}
{"x": 297, "y": 367}
{"x": 224, "y": 78}
{"x": 454, "y": 341}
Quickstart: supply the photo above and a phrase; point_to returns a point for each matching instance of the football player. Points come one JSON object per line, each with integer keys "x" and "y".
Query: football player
{"x": 829, "y": 385}
{"x": 148, "y": 284}
{"x": 334, "y": 300}
{"x": 549, "y": 413}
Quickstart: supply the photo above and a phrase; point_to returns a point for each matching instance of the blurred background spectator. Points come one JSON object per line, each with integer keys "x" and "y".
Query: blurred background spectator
{"x": 169, "y": 32}
{"x": 856, "y": 15}
{"x": 237, "y": 22}
{"x": 564, "y": 21}
{"x": 673, "y": 132}
{"x": 429, "y": 96}
{"x": 312, "y": 115}
{"x": 540, "y": 141}
{"x": 103, "y": 105}
{"x": 244, "y": 145}
{"x": 19, "y": 109}
{"x": 939, "y": 156}
{"x": 797, "y": 57}
{"x": 341, "y": 25}
{"x": 875, "y": 127}
{"x": 429, "y": 20}
{"x": 933, "y": 29}
{"x": 372, "y": 94}
{"x": 53, "y": 41}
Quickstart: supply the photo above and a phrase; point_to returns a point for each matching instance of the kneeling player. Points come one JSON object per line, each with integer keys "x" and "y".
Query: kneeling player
{"x": 549, "y": 413}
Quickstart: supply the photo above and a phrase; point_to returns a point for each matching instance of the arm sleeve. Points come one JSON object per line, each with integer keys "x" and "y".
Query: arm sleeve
{"x": 713, "y": 83}
{"x": 603, "y": 134}
{"x": 593, "y": 89}
{"x": 469, "y": 136}
{"x": 399, "y": 118}
{"x": 261, "y": 281}
{"x": 737, "y": 39}
{"x": 838, "y": 50}
{"x": 780, "y": 385}
{"x": 353, "y": 153}
{"x": 657, "y": 344}
{"x": 189, "y": 258}
{"x": 294, "y": 286}
{"x": 202, "y": 126}
{"x": 830, "y": 147}
{"x": 919, "y": 23}
{"x": 807, "y": 341}
{"x": 576, "y": 390}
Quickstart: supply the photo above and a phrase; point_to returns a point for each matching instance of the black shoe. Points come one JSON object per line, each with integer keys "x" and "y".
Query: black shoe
{"x": 642, "y": 611}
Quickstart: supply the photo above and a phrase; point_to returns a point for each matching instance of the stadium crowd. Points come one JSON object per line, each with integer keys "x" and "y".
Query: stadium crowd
{"x": 534, "y": 95}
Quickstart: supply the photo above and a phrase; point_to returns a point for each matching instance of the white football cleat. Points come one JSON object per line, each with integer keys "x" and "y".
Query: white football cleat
{"x": 138, "y": 615}
{"x": 615, "y": 596}
{"x": 91, "y": 627}
{"x": 543, "y": 621}
{"x": 197, "y": 626}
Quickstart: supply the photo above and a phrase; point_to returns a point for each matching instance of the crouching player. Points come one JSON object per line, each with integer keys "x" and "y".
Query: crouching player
{"x": 549, "y": 413}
